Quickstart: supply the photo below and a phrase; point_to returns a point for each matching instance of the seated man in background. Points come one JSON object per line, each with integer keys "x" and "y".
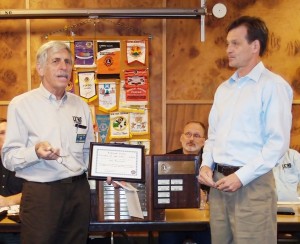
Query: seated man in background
{"x": 192, "y": 140}
{"x": 287, "y": 176}
{"x": 10, "y": 188}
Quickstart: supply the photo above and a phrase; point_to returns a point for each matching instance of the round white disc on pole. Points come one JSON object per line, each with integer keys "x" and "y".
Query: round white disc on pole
{"x": 219, "y": 10}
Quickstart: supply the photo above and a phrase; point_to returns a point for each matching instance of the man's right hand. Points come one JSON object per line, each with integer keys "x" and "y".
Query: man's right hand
{"x": 206, "y": 176}
{"x": 44, "y": 150}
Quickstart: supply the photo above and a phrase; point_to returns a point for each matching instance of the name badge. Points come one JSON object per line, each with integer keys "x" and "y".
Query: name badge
{"x": 80, "y": 138}
{"x": 287, "y": 166}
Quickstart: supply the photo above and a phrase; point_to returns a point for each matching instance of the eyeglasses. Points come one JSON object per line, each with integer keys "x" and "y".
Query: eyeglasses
{"x": 60, "y": 160}
{"x": 196, "y": 135}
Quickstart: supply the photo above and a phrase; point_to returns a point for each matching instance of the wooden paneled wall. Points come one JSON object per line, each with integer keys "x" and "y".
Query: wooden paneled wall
{"x": 184, "y": 72}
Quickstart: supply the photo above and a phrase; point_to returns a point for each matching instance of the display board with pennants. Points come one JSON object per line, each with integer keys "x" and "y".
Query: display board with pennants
{"x": 111, "y": 74}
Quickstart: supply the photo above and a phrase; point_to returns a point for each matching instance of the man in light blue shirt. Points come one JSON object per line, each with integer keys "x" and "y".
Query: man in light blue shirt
{"x": 249, "y": 131}
{"x": 287, "y": 177}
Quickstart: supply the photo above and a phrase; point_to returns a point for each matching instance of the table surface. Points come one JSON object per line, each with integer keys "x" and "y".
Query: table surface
{"x": 190, "y": 219}
{"x": 176, "y": 220}
{"x": 196, "y": 215}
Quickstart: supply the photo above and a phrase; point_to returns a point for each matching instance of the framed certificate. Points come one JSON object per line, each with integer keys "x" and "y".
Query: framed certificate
{"x": 116, "y": 160}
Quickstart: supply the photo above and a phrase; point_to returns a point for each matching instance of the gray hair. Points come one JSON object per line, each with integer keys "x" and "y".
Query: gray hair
{"x": 55, "y": 46}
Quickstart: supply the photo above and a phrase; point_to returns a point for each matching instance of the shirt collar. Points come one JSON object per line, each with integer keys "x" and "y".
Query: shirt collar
{"x": 49, "y": 95}
{"x": 254, "y": 74}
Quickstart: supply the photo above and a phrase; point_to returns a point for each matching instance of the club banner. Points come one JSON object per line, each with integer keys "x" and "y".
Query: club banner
{"x": 84, "y": 54}
{"x": 119, "y": 125}
{"x": 129, "y": 106}
{"x": 136, "y": 51}
{"x": 103, "y": 126}
{"x": 107, "y": 96}
{"x": 108, "y": 59}
{"x": 87, "y": 86}
{"x": 136, "y": 85}
{"x": 139, "y": 123}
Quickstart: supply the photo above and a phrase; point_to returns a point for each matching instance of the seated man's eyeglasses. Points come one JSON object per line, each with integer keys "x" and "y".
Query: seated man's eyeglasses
{"x": 195, "y": 135}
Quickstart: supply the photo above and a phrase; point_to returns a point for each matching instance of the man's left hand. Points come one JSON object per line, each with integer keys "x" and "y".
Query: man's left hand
{"x": 109, "y": 181}
{"x": 229, "y": 183}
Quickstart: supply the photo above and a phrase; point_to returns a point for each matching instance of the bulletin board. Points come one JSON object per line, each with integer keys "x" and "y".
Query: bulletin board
{"x": 111, "y": 74}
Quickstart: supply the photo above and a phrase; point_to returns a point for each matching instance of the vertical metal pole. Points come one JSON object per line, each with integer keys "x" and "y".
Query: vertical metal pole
{"x": 164, "y": 83}
{"x": 111, "y": 237}
{"x": 28, "y": 50}
{"x": 202, "y": 24}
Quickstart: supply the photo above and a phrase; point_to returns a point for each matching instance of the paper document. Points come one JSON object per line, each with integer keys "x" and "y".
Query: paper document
{"x": 133, "y": 202}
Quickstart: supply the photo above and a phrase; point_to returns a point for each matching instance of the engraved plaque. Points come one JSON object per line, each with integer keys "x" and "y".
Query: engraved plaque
{"x": 175, "y": 184}
{"x": 113, "y": 203}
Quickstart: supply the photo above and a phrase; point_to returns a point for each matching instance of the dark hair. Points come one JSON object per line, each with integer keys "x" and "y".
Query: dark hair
{"x": 2, "y": 120}
{"x": 256, "y": 30}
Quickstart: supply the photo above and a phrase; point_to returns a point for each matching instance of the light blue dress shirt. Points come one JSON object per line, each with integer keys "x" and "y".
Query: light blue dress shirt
{"x": 249, "y": 123}
{"x": 287, "y": 176}
{"x": 37, "y": 116}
